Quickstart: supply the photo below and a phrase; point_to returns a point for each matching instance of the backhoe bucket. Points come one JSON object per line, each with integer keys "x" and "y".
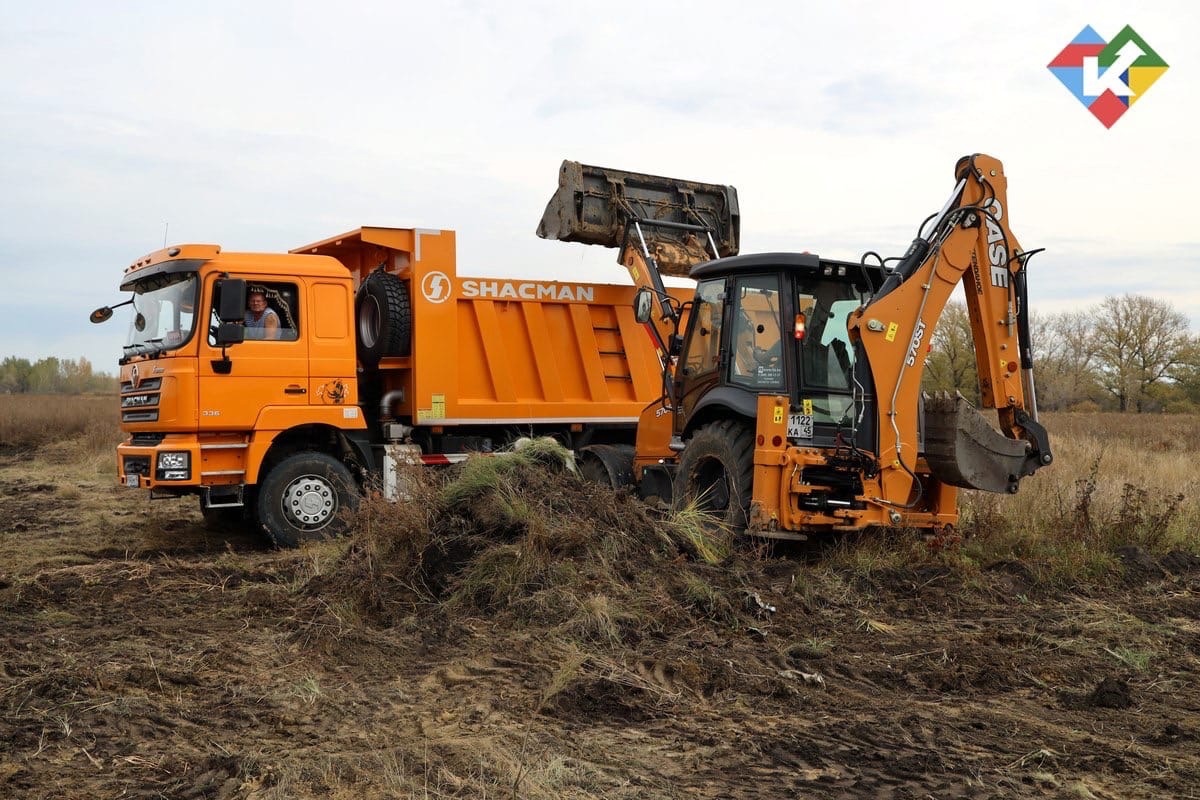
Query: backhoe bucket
{"x": 595, "y": 205}
{"x": 962, "y": 449}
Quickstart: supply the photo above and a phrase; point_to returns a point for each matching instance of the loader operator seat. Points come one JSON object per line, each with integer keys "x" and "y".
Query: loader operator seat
{"x": 743, "y": 354}
{"x": 752, "y": 364}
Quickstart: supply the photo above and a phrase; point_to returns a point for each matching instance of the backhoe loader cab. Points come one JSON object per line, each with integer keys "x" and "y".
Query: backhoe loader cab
{"x": 792, "y": 399}
{"x": 773, "y": 323}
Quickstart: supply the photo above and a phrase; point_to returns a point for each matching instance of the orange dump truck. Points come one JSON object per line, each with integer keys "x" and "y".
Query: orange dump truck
{"x": 276, "y": 386}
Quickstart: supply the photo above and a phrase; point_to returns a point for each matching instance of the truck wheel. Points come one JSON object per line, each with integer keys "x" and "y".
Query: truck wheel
{"x": 302, "y": 497}
{"x": 383, "y": 314}
{"x": 716, "y": 472}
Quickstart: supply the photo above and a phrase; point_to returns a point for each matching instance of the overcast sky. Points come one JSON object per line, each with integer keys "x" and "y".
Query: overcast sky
{"x": 268, "y": 125}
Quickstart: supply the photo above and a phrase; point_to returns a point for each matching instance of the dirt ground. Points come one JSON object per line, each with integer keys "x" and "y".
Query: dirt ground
{"x": 141, "y": 656}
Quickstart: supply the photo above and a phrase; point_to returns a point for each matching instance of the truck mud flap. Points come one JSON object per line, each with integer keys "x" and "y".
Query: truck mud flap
{"x": 594, "y": 205}
{"x": 963, "y": 450}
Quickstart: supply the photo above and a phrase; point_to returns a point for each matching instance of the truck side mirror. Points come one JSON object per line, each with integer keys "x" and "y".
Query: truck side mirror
{"x": 230, "y": 333}
{"x": 643, "y": 305}
{"x": 233, "y": 300}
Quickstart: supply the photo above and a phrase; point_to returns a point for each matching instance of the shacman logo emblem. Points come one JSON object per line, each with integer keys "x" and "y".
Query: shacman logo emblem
{"x": 436, "y": 287}
{"x": 1108, "y": 77}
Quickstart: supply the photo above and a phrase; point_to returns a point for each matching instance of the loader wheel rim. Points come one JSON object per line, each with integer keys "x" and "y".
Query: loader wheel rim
{"x": 310, "y": 502}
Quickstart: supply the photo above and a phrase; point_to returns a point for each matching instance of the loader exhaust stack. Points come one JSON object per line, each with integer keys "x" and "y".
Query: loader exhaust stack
{"x": 679, "y": 223}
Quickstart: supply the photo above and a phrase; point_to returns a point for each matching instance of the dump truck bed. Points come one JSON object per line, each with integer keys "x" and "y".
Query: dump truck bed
{"x": 489, "y": 351}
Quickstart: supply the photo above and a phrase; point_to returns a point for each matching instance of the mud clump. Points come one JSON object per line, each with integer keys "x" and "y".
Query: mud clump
{"x": 1111, "y": 692}
{"x": 1140, "y": 566}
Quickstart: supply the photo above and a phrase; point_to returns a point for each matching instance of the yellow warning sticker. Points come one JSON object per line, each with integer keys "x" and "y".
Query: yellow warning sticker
{"x": 807, "y": 404}
{"x": 777, "y": 418}
{"x": 891, "y": 332}
{"x": 435, "y": 412}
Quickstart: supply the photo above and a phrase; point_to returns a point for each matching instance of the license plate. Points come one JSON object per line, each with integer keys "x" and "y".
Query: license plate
{"x": 131, "y": 481}
{"x": 800, "y": 426}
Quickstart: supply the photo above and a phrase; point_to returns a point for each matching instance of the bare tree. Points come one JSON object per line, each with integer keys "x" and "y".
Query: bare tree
{"x": 951, "y": 364}
{"x": 1066, "y": 359}
{"x": 1139, "y": 341}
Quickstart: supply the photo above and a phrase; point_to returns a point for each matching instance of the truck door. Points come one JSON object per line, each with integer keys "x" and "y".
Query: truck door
{"x": 270, "y": 368}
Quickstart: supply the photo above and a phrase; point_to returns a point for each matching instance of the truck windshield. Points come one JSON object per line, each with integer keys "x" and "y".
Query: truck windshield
{"x": 164, "y": 312}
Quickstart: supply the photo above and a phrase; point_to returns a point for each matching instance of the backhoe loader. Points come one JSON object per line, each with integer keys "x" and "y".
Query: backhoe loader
{"x": 792, "y": 401}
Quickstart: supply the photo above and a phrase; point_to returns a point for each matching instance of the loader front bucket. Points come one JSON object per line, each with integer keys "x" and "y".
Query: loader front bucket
{"x": 962, "y": 449}
{"x": 595, "y": 205}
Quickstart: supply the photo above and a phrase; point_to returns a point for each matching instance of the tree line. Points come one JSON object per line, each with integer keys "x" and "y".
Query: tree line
{"x": 1127, "y": 353}
{"x": 53, "y": 376}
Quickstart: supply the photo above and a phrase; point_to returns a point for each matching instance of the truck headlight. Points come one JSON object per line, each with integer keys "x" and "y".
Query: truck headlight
{"x": 173, "y": 466}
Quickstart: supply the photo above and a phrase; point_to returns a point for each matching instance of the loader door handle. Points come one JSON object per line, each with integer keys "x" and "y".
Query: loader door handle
{"x": 294, "y": 389}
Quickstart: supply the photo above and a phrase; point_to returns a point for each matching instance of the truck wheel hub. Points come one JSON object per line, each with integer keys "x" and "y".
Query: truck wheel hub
{"x": 309, "y": 501}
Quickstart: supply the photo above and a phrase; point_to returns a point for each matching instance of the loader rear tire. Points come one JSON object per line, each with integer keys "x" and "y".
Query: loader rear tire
{"x": 716, "y": 472}
{"x": 383, "y": 316}
{"x": 304, "y": 498}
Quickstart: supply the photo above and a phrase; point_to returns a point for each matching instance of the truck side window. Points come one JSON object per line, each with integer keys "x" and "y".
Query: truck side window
{"x": 281, "y": 302}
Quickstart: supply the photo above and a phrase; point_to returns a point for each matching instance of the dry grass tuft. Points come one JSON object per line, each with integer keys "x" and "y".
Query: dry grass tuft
{"x": 29, "y": 422}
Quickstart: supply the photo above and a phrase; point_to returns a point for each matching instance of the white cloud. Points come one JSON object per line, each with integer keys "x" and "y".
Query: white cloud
{"x": 269, "y": 125}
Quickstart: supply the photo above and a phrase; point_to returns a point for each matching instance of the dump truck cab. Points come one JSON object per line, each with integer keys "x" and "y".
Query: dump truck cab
{"x": 205, "y": 396}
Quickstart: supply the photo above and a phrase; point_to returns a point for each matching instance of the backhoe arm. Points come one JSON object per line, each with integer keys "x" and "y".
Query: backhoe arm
{"x": 968, "y": 241}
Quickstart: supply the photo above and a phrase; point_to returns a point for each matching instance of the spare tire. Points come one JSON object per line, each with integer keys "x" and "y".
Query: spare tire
{"x": 383, "y": 317}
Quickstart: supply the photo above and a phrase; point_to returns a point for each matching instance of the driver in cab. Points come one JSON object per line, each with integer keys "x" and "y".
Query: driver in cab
{"x": 261, "y": 320}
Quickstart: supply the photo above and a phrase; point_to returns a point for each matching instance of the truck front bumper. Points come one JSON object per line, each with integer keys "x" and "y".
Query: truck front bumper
{"x": 173, "y": 463}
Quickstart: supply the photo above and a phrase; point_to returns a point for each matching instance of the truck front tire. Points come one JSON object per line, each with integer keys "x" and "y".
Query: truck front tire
{"x": 303, "y": 499}
{"x": 716, "y": 471}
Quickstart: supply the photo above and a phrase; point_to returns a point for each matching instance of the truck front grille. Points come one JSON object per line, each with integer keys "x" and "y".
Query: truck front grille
{"x": 140, "y": 403}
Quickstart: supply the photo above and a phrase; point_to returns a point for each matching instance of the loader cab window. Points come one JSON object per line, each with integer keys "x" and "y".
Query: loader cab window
{"x": 703, "y": 349}
{"x": 826, "y": 355}
{"x": 281, "y": 303}
{"x": 756, "y": 361}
